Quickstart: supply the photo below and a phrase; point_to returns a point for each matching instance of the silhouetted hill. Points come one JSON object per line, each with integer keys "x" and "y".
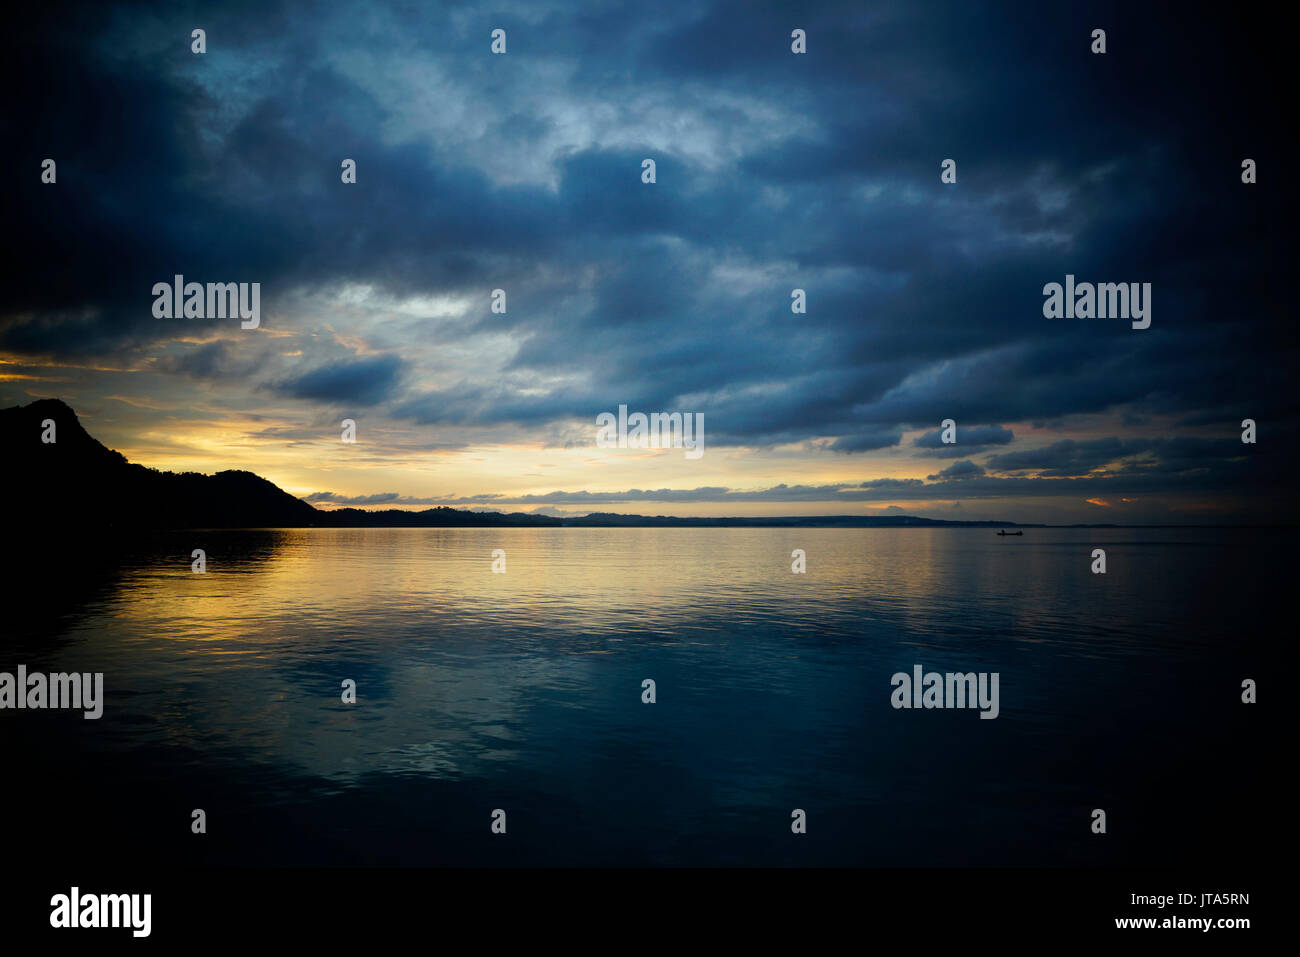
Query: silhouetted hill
{"x": 75, "y": 482}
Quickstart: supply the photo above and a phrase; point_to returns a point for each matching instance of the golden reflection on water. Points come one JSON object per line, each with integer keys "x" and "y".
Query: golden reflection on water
{"x": 451, "y": 659}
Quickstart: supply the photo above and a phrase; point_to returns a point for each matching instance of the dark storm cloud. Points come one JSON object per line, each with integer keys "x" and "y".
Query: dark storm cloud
{"x": 1069, "y": 457}
{"x": 208, "y": 360}
{"x": 866, "y": 441}
{"x": 958, "y": 471}
{"x": 363, "y": 381}
{"x": 774, "y": 172}
{"x": 968, "y": 440}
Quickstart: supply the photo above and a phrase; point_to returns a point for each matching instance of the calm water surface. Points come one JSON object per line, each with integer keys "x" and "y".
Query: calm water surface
{"x": 522, "y": 691}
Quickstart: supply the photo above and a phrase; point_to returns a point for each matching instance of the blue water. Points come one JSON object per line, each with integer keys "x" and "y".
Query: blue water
{"x": 523, "y": 691}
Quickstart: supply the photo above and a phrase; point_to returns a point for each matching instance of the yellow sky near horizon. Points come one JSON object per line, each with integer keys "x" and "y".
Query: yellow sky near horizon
{"x": 299, "y": 448}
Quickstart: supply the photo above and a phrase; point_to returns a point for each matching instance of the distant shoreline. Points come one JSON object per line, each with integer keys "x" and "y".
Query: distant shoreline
{"x": 79, "y": 484}
{"x": 508, "y": 521}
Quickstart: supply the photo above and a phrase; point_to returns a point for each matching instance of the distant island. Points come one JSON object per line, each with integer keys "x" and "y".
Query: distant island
{"x": 77, "y": 482}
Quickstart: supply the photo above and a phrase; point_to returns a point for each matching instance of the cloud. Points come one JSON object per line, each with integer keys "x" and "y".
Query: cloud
{"x": 867, "y": 441}
{"x": 331, "y": 498}
{"x": 360, "y": 381}
{"x": 775, "y": 171}
{"x": 969, "y": 439}
{"x": 958, "y": 471}
{"x": 1070, "y": 457}
{"x": 208, "y": 360}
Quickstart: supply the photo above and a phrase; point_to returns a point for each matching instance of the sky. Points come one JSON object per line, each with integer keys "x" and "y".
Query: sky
{"x": 774, "y": 171}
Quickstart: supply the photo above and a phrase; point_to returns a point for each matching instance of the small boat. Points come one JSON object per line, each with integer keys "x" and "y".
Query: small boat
{"x": 1005, "y": 532}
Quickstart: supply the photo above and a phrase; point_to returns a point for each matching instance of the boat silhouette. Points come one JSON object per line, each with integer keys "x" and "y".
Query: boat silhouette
{"x": 1005, "y": 532}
